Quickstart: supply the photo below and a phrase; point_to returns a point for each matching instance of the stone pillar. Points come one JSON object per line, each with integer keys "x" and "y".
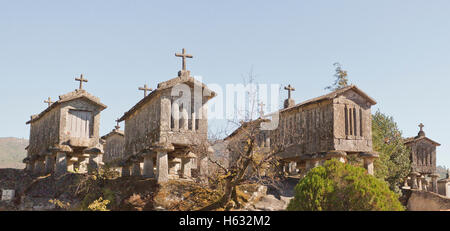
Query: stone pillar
{"x": 186, "y": 167}
{"x": 83, "y": 165}
{"x": 29, "y": 166}
{"x": 307, "y": 165}
{"x": 173, "y": 168}
{"x": 125, "y": 170}
{"x": 267, "y": 141}
{"x": 368, "y": 164}
{"x": 434, "y": 183}
{"x": 162, "y": 166}
{"x": 315, "y": 163}
{"x": 61, "y": 163}
{"x": 341, "y": 156}
{"x": 405, "y": 184}
{"x": 419, "y": 182}
{"x": 38, "y": 167}
{"x": 414, "y": 180}
{"x": 148, "y": 166}
{"x": 293, "y": 168}
{"x": 93, "y": 163}
{"x": 49, "y": 163}
{"x": 135, "y": 169}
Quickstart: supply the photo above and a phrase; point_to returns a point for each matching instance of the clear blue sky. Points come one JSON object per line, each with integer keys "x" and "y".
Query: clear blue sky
{"x": 396, "y": 51}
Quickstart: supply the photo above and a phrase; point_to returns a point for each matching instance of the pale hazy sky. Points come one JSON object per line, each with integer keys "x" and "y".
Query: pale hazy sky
{"x": 398, "y": 52}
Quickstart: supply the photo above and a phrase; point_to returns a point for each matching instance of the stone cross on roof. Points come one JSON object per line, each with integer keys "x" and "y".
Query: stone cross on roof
{"x": 421, "y": 132}
{"x": 117, "y": 127}
{"x": 81, "y": 79}
{"x": 289, "y": 89}
{"x": 261, "y": 109}
{"x": 48, "y": 101}
{"x": 145, "y": 89}
{"x": 183, "y": 56}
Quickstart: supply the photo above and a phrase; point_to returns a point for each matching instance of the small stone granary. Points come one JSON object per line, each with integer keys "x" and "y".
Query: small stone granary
{"x": 114, "y": 146}
{"x": 330, "y": 126}
{"x": 65, "y": 136}
{"x": 423, "y": 162}
{"x": 164, "y": 124}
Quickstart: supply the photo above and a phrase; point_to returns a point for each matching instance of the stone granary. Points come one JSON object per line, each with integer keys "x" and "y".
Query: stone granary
{"x": 444, "y": 185}
{"x": 423, "y": 162}
{"x": 114, "y": 147}
{"x": 164, "y": 125}
{"x": 330, "y": 126}
{"x": 66, "y": 134}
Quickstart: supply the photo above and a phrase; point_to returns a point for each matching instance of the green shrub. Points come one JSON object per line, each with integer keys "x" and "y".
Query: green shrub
{"x": 342, "y": 187}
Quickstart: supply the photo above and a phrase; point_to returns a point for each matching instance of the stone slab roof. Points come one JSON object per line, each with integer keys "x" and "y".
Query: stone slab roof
{"x": 333, "y": 95}
{"x": 417, "y": 138}
{"x": 115, "y": 131}
{"x": 162, "y": 86}
{"x": 256, "y": 123}
{"x": 77, "y": 94}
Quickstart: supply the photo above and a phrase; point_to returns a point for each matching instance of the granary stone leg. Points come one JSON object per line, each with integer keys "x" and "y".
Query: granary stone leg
{"x": 162, "y": 166}
{"x": 405, "y": 184}
{"x": 125, "y": 170}
{"x": 49, "y": 164}
{"x": 368, "y": 164}
{"x": 93, "y": 163}
{"x": 419, "y": 183}
{"x": 70, "y": 167}
{"x": 414, "y": 180}
{"x": 61, "y": 163}
{"x": 173, "y": 168}
{"x": 29, "y": 167}
{"x": 315, "y": 163}
{"x": 83, "y": 165}
{"x": 135, "y": 169}
{"x": 340, "y": 156}
{"x": 368, "y": 161}
{"x": 307, "y": 165}
{"x": 434, "y": 184}
{"x": 186, "y": 167}
{"x": 148, "y": 167}
{"x": 38, "y": 167}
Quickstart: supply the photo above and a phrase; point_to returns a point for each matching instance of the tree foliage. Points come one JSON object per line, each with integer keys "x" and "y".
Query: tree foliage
{"x": 394, "y": 163}
{"x": 341, "y": 80}
{"x": 336, "y": 186}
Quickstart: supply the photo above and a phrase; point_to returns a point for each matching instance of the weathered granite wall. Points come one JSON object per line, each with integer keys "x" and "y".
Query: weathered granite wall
{"x": 114, "y": 148}
{"x": 83, "y": 105}
{"x": 142, "y": 128}
{"x": 44, "y": 132}
{"x": 427, "y": 201}
{"x": 423, "y": 157}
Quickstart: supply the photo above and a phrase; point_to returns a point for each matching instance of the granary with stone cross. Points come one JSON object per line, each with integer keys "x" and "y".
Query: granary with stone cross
{"x": 423, "y": 162}
{"x": 334, "y": 125}
{"x": 162, "y": 126}
{"x": 114, "y": 146}
{"x": 65, "y": 135}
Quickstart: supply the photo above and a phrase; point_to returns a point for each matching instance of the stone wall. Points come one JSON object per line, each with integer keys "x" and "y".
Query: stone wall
{"x": 114, "y": 148}
{"x": 423, "y": 157}
{"x": 427, "y": 201}
{"x": 85, "y": 105}
{"x": 44, "y": 132}
{"x": 142, "y": 128}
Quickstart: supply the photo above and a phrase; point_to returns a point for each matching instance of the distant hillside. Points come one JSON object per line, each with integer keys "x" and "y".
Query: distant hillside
{"x": 12, "y": 152}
